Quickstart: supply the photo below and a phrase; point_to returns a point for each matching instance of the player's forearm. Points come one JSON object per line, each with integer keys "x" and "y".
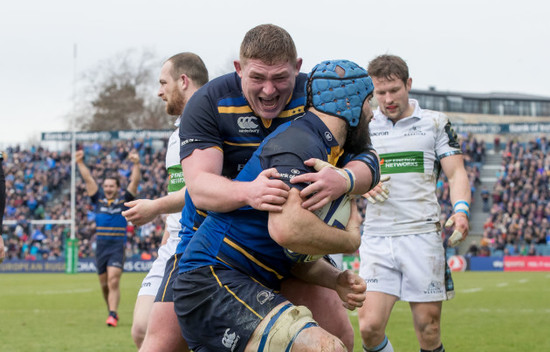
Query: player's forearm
{"x": 217, "y": 193}
{"x": 171, "y": 203}
{"x": 91, "y": 185}
{"x": 319, "y": 272}
{"x": 459, "y": 186}
{"x": 363, "y": 177}
{"x": 301, "y": 231}
{"x": 135, "y": 177}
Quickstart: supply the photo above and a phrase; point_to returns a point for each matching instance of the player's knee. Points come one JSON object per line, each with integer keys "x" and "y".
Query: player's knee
{"x": 279, "y": 331}
{"x": 138, "y": 333}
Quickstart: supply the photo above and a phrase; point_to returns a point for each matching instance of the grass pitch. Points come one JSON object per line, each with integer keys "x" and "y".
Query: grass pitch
{"x": 492, "y": 311}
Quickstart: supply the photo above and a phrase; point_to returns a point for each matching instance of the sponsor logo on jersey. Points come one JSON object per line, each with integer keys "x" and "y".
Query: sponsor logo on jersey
{"x": 403, "y": 162}
{"x": 230, "y": 340}
{"x": 371, "y": 281}
{"x": 264, "y": 296}
{"x": 146, "y": 284}
{"x": 109, "y": 210}
{"x": 248, "y": 124}
{"x": 414, "y": 131}
{"x": 381, "y": 133}
{"x": 189, "y": 140}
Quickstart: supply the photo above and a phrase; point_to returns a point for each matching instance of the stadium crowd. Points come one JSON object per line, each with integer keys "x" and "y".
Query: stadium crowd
{"x": 519, "y": 219}
{"x": 38, "y": 188}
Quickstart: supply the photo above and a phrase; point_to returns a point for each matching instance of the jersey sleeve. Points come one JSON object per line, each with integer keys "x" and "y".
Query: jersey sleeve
{"x": 446, "y": 143}
{"x": 198, "y": 126}
{"x": 287, "y": 154}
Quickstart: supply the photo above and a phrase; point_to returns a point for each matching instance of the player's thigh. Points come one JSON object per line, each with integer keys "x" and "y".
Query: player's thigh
{"x": 422, "y": 258}
{"x": 163, "y": 332}
{"x": 142, "y": 310}
{"x": 234, "y": 303}
{"x": 114, "y": 273}
{"x": 324, "y": 303}
{"x": 287, "y": 327}
{"x": 151, "y": 283}
{"x": 379, "y": 267}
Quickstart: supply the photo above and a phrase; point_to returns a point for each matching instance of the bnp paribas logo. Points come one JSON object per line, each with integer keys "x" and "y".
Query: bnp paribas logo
{"x": 404, "y": 162}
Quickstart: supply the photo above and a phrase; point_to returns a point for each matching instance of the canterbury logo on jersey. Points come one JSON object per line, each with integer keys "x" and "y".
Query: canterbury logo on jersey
{"x": 248, "y": 123}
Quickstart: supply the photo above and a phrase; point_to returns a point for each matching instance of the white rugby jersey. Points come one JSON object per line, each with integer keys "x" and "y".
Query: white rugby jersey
{"x": 175, "y": 178}
{"x": 409, "y": 153}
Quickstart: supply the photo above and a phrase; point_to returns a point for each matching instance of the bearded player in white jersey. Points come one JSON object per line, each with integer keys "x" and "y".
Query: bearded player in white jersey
{"x": 180, "y": 76}
{"x": 402, "y": 253}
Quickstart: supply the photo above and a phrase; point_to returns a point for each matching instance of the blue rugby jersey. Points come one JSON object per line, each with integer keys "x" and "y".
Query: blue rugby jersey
{"x": 218, "y": 115}
{"x": 240, "y": 239}
{"x": 110, "y": 224}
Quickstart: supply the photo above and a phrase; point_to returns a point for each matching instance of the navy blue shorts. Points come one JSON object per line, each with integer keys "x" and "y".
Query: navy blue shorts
{"x": 165, "y": 293}
{"x": 219, "y": 308}
{"x": 109, "y": 253}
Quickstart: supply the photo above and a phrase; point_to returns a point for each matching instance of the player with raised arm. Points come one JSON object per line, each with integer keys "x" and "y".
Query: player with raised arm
{"x": 110, "y": 228}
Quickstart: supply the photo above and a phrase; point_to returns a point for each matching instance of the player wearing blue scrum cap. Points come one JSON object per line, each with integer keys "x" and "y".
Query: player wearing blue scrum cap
{"x": 226, "y": 295}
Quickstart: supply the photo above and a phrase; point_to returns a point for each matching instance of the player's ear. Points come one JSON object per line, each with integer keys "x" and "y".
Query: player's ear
{"x": 238, "y": 68}
{"x": 298, "y": 65}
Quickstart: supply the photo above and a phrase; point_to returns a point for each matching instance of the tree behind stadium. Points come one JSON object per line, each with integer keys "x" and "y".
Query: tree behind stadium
{"x": 120, "y": 94}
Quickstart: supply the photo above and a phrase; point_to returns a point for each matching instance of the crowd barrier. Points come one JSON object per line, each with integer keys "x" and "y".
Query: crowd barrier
{"x": 58, "y": 266}
{"x": 456, "y": 263}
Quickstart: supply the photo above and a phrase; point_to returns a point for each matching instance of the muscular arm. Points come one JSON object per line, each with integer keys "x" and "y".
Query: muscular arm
{"x": 211, "y": 191}
{"x": 453, "y": 167}
{"x": 135, "y": 177}
{"x": 91, "y": 185}
{"x": 301, "y": 231}
{"x": 329, "y": 183}
{"x": 143, "y": 211}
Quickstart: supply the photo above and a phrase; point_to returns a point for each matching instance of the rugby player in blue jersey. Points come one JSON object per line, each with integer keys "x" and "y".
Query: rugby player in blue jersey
{"x": 222, "y": 125}
{"x": 110, "y": 228}
{"x": 227, "y": 292}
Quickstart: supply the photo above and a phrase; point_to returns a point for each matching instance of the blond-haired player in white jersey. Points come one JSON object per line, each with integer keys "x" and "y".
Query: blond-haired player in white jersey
{"x": 402, "y": 253}
{"x": 180, "y": 77}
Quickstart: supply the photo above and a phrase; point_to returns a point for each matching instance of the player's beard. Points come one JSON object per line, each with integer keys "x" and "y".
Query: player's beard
{"x": 358, "y": 138}
{"x": 175, "y": 106}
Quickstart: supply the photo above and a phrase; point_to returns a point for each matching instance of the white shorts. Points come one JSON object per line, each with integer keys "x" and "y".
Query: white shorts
{"x": 411, "y": 267}
{"x": 151, "y": 283}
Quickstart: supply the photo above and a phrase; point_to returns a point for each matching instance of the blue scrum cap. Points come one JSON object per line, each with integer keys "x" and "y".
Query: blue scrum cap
{"x": 339, "y": 92}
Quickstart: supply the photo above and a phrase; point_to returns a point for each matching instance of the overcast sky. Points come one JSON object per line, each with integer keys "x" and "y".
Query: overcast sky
{"x": 477, "y": 46}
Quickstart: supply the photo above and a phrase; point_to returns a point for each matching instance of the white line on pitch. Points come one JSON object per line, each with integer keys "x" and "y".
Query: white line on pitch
{"x": 502, "y": 284}
{"x": 471, "y": 290}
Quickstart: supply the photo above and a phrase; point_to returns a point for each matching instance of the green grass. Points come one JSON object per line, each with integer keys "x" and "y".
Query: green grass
{"x": 58, "y": 312}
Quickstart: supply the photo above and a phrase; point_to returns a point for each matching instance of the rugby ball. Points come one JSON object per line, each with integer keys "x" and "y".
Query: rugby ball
{"x": 335, "y": 214}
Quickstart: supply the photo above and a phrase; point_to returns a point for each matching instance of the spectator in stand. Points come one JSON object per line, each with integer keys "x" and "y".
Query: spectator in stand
{"x": 521, "y": 196}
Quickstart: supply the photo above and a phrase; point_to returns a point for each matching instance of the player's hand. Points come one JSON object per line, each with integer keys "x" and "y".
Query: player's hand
{"x": 327, "y": 184}
{"x": 351, "y": 288}
{"x": 141, "y": 211}
{"x": 134, "y": 157}
{"x": 380, "y": 192}
{"x": 355, "y": 221}
{"x": 266, "y": 193}
{"x": 461, "y": 228}
{"x": 79, "y": 156}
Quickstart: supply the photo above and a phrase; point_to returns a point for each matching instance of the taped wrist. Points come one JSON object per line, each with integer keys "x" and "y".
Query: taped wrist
{"x": 370, "y": 158}
{"x": 462, "y": 206}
